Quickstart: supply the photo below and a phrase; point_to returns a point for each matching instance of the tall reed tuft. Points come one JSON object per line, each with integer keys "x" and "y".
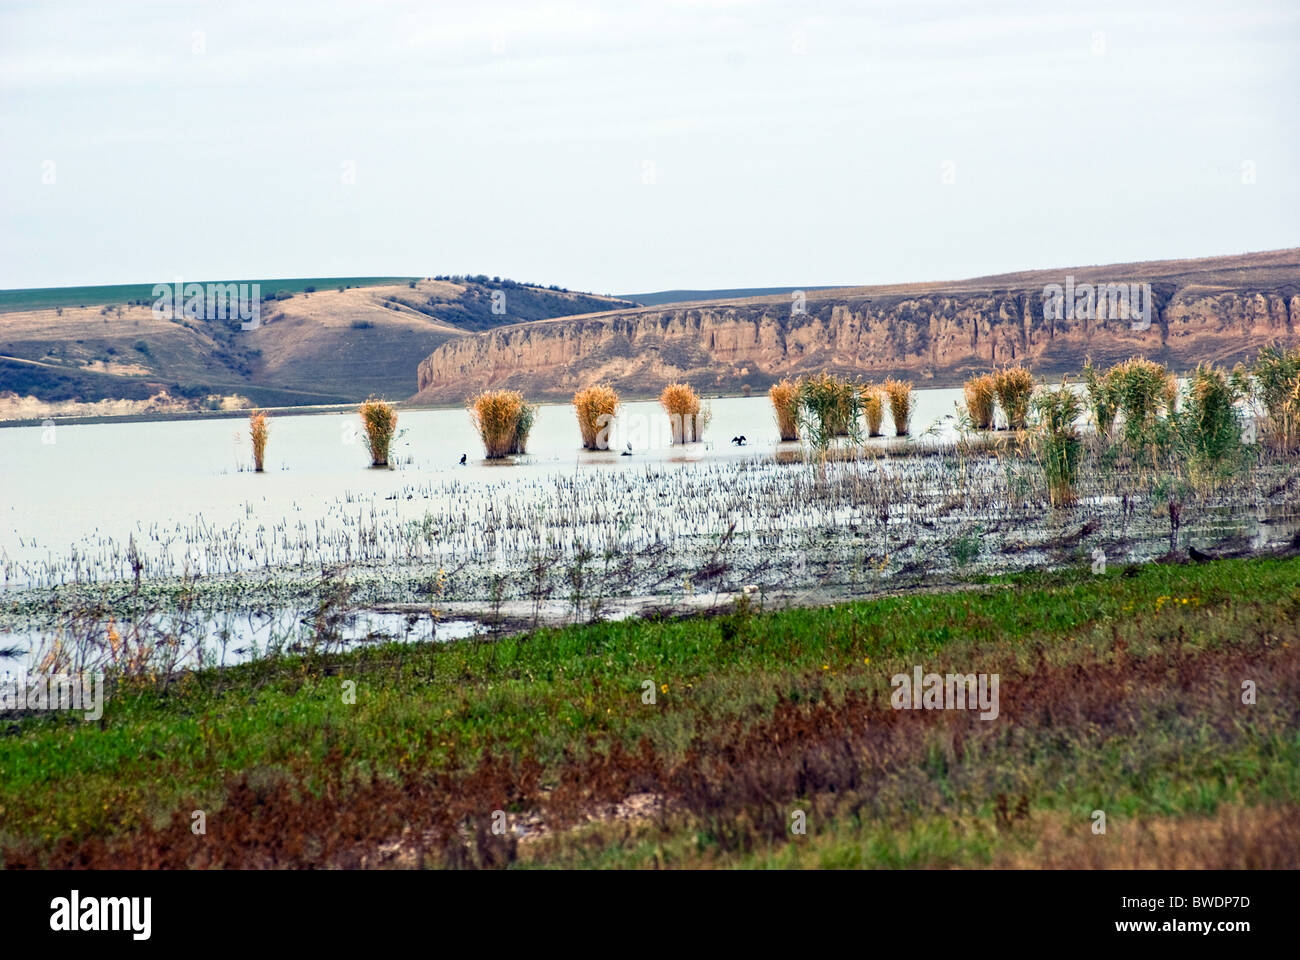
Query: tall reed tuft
{"x": 828, "y": 408}
{"x": 258, "y": 429}
{"x": 1057, "y": 442}
{"x": 981, "y": 396}
{"x": 873, "y": 408}
{"x": 380, "y": 422}
{"x": 899, "y": 393}
{"x": 1211, "y": 415}
{"x": 1141, "y": 391}
{"x": 784, "y": 395}
{"x": 1103, "y": 397}
{"x": 1014, "y": 387}
{"x": 503, "y": 421}
{"x": 682, "y": 404}
{"x": 595, "y": 406}
{"x": 1274, "y": 381}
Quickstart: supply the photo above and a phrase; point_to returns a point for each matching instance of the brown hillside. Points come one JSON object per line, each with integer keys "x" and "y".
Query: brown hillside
{"x": 326, "y": 346}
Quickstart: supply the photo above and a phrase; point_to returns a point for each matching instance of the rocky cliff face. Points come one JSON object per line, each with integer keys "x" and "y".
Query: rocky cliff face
{"x": 937, "y": 336}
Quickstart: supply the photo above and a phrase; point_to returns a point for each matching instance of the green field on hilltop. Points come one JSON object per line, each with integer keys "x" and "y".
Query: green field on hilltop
{"x": 50, "y": 298}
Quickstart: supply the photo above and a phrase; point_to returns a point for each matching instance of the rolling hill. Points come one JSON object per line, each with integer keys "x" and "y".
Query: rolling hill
{"x": 316, "y": 344}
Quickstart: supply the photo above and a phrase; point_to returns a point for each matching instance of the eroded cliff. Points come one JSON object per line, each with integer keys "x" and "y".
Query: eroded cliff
{"x": 1220, "y": 309}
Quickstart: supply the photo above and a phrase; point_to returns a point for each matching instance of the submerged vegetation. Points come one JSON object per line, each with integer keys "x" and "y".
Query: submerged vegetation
{"x": 874, "y": 513}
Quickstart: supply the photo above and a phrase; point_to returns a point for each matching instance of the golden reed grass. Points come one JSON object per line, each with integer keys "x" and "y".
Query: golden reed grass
{"x": 682, "y": 404}
{"x": 1171, "y": 393}
{"x": 380, "y": 422}
{"x": 873, "y": 408}
{"x": 785, "y": 399}
{"x": 1014, "y": 387}
{"x": 258, "y": 430}
{"x": 981, "y": 396}
{"x": 593, "y": 404}
{"x": 899, "y": 393}
{"x": 498, "y": 416}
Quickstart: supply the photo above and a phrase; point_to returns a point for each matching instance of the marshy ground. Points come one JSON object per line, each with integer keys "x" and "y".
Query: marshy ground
{"x": 1120, "y": 692}
{"x": 672, "y": 538}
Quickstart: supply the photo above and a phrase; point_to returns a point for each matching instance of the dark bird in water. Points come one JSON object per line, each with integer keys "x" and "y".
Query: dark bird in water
{"x": 739, "y": 441}
{"x": 462, "y": 459}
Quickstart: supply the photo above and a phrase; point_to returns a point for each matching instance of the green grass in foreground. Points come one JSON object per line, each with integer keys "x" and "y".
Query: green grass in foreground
{"x": 1119, "y": 693}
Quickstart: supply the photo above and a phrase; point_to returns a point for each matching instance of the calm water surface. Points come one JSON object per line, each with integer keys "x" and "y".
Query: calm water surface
{"x": 112, "y": 481}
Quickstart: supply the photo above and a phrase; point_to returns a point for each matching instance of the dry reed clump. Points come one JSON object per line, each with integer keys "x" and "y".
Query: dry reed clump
{"x": 981, "y": 396}
{"x": 258, "y": 430}
{"x": 899, "y": 393}
{"x": 380, "y": 422}
{"x": 873, "y": 408}
{"x": 595, "y": 407}
{"x": 684, "y": 410}
{"x": 1014, "y": 387}
{"x": 784, "y": 395}
{"x": 502, "y": 420}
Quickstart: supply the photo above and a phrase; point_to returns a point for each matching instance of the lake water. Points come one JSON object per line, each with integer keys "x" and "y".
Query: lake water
{"x": 67, "y": 492}
{"x": 429, "y": 548}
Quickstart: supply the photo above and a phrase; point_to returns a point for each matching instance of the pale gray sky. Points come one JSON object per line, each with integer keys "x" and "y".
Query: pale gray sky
{"x": 784, "y": 143}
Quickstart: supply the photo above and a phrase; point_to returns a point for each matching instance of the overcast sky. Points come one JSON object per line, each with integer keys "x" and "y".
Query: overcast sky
{"x": 621, "y": 147}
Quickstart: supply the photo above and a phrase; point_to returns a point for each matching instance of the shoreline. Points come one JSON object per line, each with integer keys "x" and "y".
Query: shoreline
{"x": 407, "y": 405}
